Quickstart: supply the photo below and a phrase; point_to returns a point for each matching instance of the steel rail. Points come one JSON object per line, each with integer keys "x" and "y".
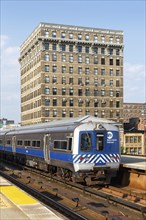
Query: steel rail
{"x": 46, "y": 200}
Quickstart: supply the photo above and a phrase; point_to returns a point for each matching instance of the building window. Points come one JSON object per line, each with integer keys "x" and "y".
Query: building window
{"x": 95, "y": 82}
{"x": 47, "y": 80}
{"x": 63, "y": 35}
{"x": 63, "y": 80}
{"x": 54, "y": 79}
{"x": 102, "y": 50}
{"x": 79, "y": 37}
{"x": 102, "y": 39}
{"x": 54, "y": 113}
{"x": 87, "y": 60}
{"x": 70, "y": 69}
{"x": 110, "y": 61}
{"x": 79, "y": 48}
{"x": 46, "y": 46}
{"x": 87, "y": 92}
{"x": 95, "y": 50}
{"x": 87, "y": 49}
{"x": 80, "y": 92}
{"x": 102, "y": 92}
{"x": 71, "y": 114}
{"x": 111, "y": 103}
{"x": 71, "y": 80}
{"x": 63, "y": 58}
{"x": 79, "y": 59}
{"x": 102, "y": 61}
{"x": 54, "y": 69}
{"x": 117, "y": 72}
{"x": 95, "y": 38}
{"x": 47, "y": 91}
{"x": 95, "y": 113}
{"x": 46, "y": 58}
{"x": 47, "y": 102}
{"x": 64, "y": 102}
{"x": 87, "y": 112}
{"x": 70, "y": 36}
{"x": 102, "y": 82}
{"x": 71, "y": 91}
{"x": 87, "y": 103}
{"x": 102, "y": 72}
{"x": 70, "y": 48}
{"x": 117, "y": 93}
{"x": 54, "y": 57}
{"x": 95, "y": 103}
{"x": 53, "y": 34}
{"x": 95, "y": 60}
{"x": 71, "y": 102}
{"x": 95, "y": 92}
{"x": 95, "y": 71}
{"x": 80, "y": 102}
{"x": 117, "y": 83}
{"x": 117, "y": 62}
{"x": 111, "y": 93}
{"x": 53, "y": 46}
{"x": 111, "y": 82}
{"x": 54, "y": 91}
{"x": 87, "y": 37}
{"x": 54, "y": 102}
{"x": 46, "y": 33}
{"x": 87, "y": 71}
{"x": 46, "y": 113}
{"x": 63, "y": 47}
{"x": 46, "y": 68}
{"x": 63, "y": 91}
{"x": 111, "y": 40}
{"x": 87, "y": 81}
{"x": 79, "y": 70}
{"x": 63, "y": 113}
{"x": 117, "y": 104}
{"x": 63, "y": 69}
{"x": 117, "y": 40}
{"x": 111, "y": 72}
{"x": 71, "y": 58}
{"x": 110, "y": 51}
{"x": 117, "y": 52}
{"x": 79, "y": 81}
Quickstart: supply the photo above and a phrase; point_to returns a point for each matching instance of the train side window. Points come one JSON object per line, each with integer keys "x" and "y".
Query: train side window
{"x": 27, "y": 143}
{"x": 99, "y": 141}
{"x": 19, "y": 142}
{"x": 69, "y": 143}
{"x": 8, "y": 142}
{"x": 1, "y": 141}
{"x": 36, "y": 143}
{"x": 60, "y": 145}
{"x": 86, "y": 142}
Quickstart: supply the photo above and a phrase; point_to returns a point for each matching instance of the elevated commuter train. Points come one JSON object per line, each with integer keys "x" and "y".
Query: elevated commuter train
{"x": 84, "y": 149}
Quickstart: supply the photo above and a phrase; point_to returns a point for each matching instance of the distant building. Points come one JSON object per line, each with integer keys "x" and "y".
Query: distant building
{"x": 70, "y": 71}
{"x": 6, "y": 123}
{"x": 134, "y": 110}
{"x": 135, "y": 137}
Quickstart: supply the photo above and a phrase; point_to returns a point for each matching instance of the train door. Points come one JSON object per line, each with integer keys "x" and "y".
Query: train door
{"x": 14, "y": 144}
{"x": 47, "y": 145}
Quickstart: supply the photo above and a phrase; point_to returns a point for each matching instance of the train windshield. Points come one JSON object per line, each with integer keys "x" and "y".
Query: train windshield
{"x": 86, "y": 141}
{"x": 99, "y": 141}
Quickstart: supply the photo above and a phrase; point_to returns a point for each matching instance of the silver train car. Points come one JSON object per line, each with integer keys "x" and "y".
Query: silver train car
{"x": 84, "y": 149}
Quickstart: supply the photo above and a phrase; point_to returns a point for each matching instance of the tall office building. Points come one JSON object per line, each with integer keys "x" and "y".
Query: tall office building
{"x": 71, "y": 71}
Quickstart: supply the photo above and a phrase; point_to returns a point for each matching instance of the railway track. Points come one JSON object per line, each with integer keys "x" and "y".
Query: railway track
{"x": 111, "y": 205}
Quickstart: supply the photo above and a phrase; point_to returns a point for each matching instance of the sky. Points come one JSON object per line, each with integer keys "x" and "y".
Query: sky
{"x": 19, "y": 18}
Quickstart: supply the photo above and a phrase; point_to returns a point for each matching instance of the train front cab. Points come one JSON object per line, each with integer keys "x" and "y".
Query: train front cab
{"x": 98, "y": 153}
